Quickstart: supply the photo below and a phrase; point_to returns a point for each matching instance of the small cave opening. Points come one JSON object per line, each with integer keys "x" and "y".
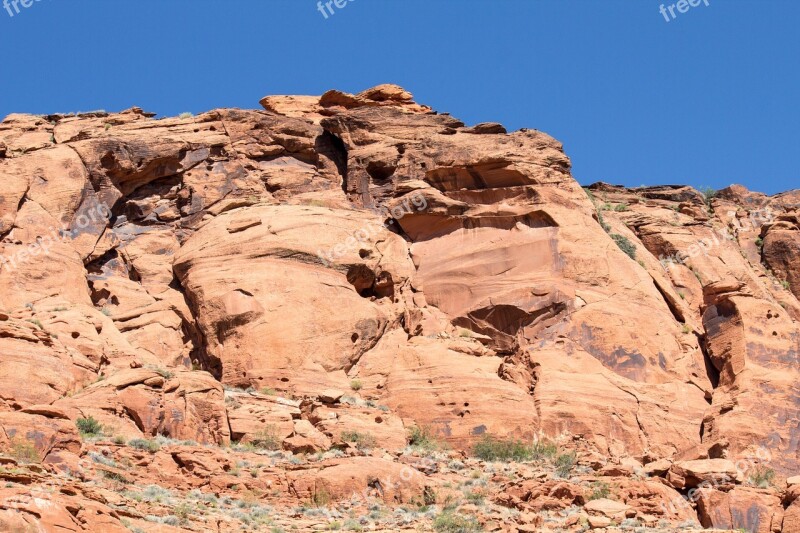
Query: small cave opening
{"x": 332, "y": 147}
{"x": 368, "y": 284}
{"x": 712, "y": 371}
{"x": 380, "y": 171}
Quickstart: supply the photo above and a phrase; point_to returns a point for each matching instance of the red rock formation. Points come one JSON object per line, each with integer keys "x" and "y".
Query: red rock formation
{"x": 349, "y": 267}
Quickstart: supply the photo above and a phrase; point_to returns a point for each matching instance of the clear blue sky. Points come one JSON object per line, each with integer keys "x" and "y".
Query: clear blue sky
{"x": 710, "y": 98}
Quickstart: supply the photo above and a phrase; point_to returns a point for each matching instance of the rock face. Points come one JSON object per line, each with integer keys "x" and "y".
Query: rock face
{"x": 333, "y": 271}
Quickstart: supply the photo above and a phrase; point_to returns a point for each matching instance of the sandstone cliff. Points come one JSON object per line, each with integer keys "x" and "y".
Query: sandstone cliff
{"x": 335, "y": 275}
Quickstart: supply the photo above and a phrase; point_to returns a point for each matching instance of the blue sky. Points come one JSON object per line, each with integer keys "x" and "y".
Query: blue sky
{"x": 709, "y": 98}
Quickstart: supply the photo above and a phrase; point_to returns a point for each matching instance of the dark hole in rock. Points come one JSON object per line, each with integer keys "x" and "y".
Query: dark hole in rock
{"x": 380, "y": 171}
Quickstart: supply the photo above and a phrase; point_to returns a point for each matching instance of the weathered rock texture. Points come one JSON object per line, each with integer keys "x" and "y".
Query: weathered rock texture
{"x": 361, "y": 263}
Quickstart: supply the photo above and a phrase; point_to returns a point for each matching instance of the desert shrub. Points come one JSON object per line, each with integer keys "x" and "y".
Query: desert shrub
{"x": 267, "y": 439}
{"x": 475, "y": 498}
{"x": 449, "y": 522}
{"x": 621, "y": 207}
{"x": 423, "y": 438}
{"x": 356, "y": 385}
{"x": 89, "y": 427}
{"x": 493, "y": 449}
{"x": 761, "y": 477}
{"x": 164, "y": 373}
{"x": 599, "y": 490}
{"x": 151, "y": 446}
{"x": 360, "y": 440}
{"x": 114, "y": 476}
{"x": 24, "y": 451}
{"x": 564, "y": 463}
{"x": 709, "y": 193}
{"x": 186, "y": 115}
{"x": 543, "y": 450}
{"x": 625, "y": 245}
{"x": 321, "y": 498}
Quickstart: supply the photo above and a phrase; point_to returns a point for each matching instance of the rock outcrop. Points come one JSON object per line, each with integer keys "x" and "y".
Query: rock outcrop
{"x": 339, "y": 275}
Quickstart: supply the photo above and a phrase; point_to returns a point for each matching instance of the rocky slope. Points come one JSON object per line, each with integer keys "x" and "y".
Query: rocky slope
{"x": 316, "y": 316}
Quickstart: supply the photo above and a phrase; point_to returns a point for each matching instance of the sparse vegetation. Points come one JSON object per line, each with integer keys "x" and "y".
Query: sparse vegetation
{"x": 356, "y": 385}
{"x": 151, "y": 446}
{"x": 490, "y": 448}
{"x": 450, "y": 522}
{"x": 186, "y": 115}
{"x": 423, "y": 438}
{"x": 360, "y": 440}
{"x": 321, "y": 498}
{"x": 708, "y": 193}
{"x": 267, "y": 391}
{"x": 686, "y": 329}
{"x": 599, "y": 490}
{"x": 761, "y": 477}
{"x": 89, "y": 427}
{"x": 267, "y": 439}
{"x": 786, "y": 285}
{"x": 163, "y": 372}
{"x": 625, "y": 245}
{"x": 564, "y": 463}
{"x": 621, "y": 207}
{"x": 760, "y": 243}
{"x": 543, "y": 450}
{"x": 24, "y": 451}
{"x": 114, "y": 476}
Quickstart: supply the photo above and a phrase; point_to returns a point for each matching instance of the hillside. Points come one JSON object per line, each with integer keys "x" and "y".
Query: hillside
{"x": 337, "y": 311}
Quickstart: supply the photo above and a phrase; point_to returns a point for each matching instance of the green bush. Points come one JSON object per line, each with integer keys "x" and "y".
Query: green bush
{"x": 708, "y": 193}
{"x": 267, "y": 439}
{"x": 89, "y": 427}
{"x": 449, "y": 522}
{"x": 599, "y": 490}
{"x": 145, "y": 444}
{"x": 356, "y": 385}
{"x": 24, "y": 451}
{"x": 543, "y": 450}
{"x": 625, "y": 245}
{"x": 493, "y": 449}
{"x": 361, "y": 440}
{"x": 321, "y": 498}
{"x": 423, "y": 438}
{"x": 761, "y": 477}
{"x": 564, "y": 463}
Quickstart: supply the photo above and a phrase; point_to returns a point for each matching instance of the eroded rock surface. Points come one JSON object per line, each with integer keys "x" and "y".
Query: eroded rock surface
{"x": 336, "y": 274}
